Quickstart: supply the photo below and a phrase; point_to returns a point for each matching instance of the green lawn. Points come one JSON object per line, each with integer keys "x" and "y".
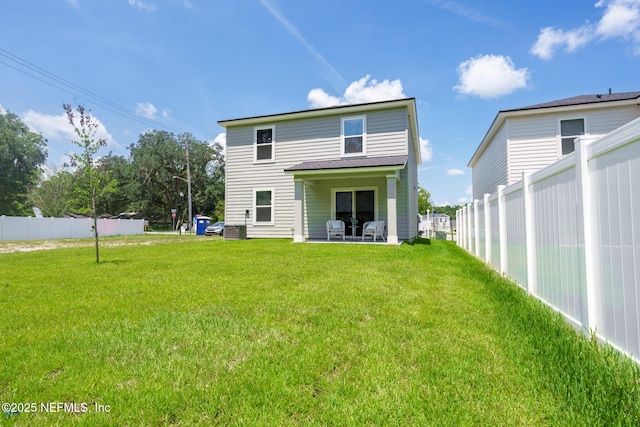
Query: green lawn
{"x": 201, "y": 331}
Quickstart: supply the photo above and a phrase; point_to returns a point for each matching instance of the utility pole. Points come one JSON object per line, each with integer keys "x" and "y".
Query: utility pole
{"x": 189, "y": 183}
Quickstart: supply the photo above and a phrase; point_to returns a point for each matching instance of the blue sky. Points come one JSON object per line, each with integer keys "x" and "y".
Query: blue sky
{"x": 182, "y": 65}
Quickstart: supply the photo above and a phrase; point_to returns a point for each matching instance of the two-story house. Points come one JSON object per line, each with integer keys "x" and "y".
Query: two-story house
{"x": 287, "y": 174}
{"x": 530, "y": 138}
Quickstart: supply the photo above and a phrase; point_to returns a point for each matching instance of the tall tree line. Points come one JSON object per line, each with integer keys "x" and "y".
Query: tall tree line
{"x": 144, "y": 182}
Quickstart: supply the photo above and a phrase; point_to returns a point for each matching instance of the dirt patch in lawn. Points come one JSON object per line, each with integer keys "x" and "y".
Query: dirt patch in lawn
{"x": 43, "y": 245}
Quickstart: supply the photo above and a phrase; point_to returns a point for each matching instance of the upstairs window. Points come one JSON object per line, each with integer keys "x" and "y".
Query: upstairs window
{"x": 263, "y": 142}
{"x": 354, "y": 137}
{"x": 569, "y": 131}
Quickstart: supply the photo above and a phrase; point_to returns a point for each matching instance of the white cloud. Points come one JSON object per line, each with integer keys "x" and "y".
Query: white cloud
{"x": 222, "y": 140}
{"x": 73, "y": 3}
{"x": 462, "y": 201}
{"x": 2, "y": 110}
{"x": 426, "y": 151}
{"x": 621, "y": 18}
{"x": 469, "y": 190}
{"x": 166, "y": 113}
{"x": 146, "y": 109}
{"x": 318, "y": 98}
{"x": 455, "y": 172}
{"x": 551, "y": 39}
{"x": 145, "y": 7}
{"x": 360, "y": 91}
{"x": 58, "y": 127}
{"x": 490, "y": 76}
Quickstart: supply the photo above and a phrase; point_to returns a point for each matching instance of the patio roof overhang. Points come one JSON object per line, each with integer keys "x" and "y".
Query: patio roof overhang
{"x": 360, "y": 167}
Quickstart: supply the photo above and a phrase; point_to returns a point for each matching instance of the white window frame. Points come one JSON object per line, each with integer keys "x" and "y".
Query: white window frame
{"x": 273, "y": 144}
{"x": 364, "y": 136}
{"x": 563, "y": 119}
{"x": 255, "y": 206}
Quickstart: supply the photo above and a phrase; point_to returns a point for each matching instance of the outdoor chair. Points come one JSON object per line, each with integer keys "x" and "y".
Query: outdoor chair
{"x": 373, "y": 229}
{"x": 335, "y": 228}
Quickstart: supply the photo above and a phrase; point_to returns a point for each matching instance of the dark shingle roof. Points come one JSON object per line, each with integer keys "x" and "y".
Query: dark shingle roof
{"x": 582, "y": 99}
{"x": 364, "y": 162}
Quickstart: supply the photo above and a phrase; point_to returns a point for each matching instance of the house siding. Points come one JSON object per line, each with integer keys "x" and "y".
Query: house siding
{"x": 491, "y": 169}
{"x": 602, "y": 122}
{"x": 296, "y": 141}
{"x": 411, "y": 186}
{"x": 532, "y": 145}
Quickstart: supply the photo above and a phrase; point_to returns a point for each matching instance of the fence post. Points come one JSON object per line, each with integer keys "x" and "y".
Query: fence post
{"x": 487, "y": 229}
{"x": 2, "y": 227}
{"x": 502, "y": 229}
{"x": 587, "y": 230}
{"x": 529, "y": 233}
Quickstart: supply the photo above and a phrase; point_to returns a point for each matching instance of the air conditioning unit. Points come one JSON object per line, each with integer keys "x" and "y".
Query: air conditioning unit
{"x": 235, "y": 232}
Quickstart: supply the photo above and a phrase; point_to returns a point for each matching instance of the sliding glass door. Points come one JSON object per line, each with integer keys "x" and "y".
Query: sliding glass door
{"x": 358, "y": 204}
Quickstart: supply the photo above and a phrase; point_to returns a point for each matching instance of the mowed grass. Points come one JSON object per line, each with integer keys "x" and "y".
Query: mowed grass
{"x": 202, "y": 331}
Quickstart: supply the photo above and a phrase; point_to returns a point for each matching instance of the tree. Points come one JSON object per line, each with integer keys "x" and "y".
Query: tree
{"x": 21, "y": 154}
{"x": 127, "y": 196}
{"x": 424, "y": 201}
{"x": 91, "y": 183}
{"x": 160, "y": 156}
{"x": 54, "y": 194}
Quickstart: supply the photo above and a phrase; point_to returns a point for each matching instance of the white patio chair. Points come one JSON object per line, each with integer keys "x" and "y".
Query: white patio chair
{"x": 335, "y": 228}
{"x": 373, "y": 229}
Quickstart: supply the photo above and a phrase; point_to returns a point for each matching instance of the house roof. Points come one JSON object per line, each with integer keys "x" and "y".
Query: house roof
{"x": 409, "y": 103}
{"x": 363, "y": 162}
{"x": 581, "y": 102}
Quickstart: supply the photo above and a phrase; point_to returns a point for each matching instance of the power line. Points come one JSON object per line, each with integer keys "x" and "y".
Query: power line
{"x": 29, "y": 69}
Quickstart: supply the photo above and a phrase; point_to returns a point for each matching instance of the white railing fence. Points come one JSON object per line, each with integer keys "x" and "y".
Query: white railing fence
{"x": 29, "y": 228}
{"x": 569, "y": 234}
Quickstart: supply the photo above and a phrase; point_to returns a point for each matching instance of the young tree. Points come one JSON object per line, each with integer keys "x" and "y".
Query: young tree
{"x": 21, "y": 154}
{"x": 92, "y": 184}
{"x": 424, "y": 201}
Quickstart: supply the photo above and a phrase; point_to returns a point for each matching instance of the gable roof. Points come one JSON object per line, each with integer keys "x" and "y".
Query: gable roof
{"x": 581, "y": 102}
{"x": 408, "y": 103}
{"x": 582, "y": 99}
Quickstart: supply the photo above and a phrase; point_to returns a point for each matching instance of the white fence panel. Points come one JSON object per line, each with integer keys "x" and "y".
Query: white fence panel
{"x": 559, "y": 248}
{"x": 616, "y": 187}
{"x": 29, "y": 228}
{"x": 516, "y": 240}
{"x": 570, "y": 235}
{"x": 481, "y": 244}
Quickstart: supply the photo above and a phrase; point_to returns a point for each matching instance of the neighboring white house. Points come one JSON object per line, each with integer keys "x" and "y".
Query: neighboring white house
{"x": 435, "y": 222}
{"x": 530, "y": 138}
{"x": 287, "y": 174}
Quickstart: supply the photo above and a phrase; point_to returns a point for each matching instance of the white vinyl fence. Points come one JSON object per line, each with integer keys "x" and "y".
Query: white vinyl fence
{"x": 569, "y": 234}
{"x": 28, "y": 228}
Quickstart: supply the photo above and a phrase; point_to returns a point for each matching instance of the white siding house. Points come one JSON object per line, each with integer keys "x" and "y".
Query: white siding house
{"x": 530, "y": 138}
{"x": 287, "y": 174}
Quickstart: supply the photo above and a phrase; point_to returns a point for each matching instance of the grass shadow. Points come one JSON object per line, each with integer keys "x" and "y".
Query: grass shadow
{"x": 419, "y": 241}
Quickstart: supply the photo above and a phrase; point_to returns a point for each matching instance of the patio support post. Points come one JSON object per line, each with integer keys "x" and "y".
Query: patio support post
{"x": 298, "y": 208}
{"x": 392, "y": 212}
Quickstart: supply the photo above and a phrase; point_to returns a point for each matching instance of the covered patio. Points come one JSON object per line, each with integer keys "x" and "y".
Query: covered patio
{"x": 352, "y": 190}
